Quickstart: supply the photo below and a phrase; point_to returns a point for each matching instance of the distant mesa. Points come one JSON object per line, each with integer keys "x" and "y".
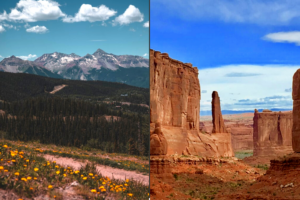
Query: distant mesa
{"x": 272, "y": 133}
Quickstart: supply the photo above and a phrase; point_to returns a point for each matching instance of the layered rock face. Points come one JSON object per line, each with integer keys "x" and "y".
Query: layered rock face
{"x": 241, "y": 136}
{"x": 296, "y": 112}
{"x": 158, "y": 142}
{"x": 174, "y": 92}
{"x": 218, "y": 122}
{"x": 272, "y": 133}
{"x": 175, "y": 104}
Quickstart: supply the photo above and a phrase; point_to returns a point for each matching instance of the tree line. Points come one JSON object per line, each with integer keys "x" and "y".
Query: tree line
{"x": 79, "y": 123}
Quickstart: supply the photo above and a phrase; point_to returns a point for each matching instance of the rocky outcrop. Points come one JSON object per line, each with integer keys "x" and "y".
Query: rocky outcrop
{"x": 296, "y": 112}
{"x": 175, "y": 104}
{"x": 158, "y": 143}
{"x": 217, "y": 119}
{"x": 272, "y": 133}
{"x": 241, "y": 136}
{"x": 174, "y": 92}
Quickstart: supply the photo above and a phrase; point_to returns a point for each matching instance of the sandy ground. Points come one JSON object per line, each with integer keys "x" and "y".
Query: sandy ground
{"x": 104, "y": 170}
{"x": 242, "y": 116}
{"x": 185, "y": 181}
{"x": 57, "y": 88}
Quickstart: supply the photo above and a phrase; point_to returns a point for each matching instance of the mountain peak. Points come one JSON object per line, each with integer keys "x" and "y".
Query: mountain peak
{"x": 100, "y": 51}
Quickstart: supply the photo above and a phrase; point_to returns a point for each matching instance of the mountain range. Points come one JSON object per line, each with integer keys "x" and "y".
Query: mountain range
{"x": 128, "y": 69}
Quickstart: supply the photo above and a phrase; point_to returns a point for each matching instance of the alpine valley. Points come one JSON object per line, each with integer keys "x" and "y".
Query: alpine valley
{"x": 128, "y": 69}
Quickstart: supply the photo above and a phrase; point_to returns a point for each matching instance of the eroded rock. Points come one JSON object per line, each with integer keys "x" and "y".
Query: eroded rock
{"x": 272, "y": 133}
{"x": 175, "y": 104}
{"x": 218, "y": 122}
{"x": 158, "y": 142}
{"x": 296, "y": 112}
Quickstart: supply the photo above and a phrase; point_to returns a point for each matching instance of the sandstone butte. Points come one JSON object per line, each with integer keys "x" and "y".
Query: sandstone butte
{"x": 272, "y": 133}
{"x": 174, "y": 111}
{"x": 296, "y": 112}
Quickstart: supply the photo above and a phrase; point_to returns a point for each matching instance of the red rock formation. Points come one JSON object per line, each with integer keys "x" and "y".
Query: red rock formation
{"x": 158, "y": 143}
{"x": 174, "y": 92}
{"x": 272, "y": 133}
{"x": 296, "y": 112}
{"x": 241, "y": 137}
{"x": 175, "y": 104}
{"x": 217, "y": 119}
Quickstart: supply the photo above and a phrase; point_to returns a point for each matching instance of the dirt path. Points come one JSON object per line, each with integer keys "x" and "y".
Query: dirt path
{"x": 57, "y": 88}
{"x": 104, "y": 170}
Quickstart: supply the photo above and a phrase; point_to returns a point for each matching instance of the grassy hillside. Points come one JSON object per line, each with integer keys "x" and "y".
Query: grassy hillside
{"x": 21, "y": 86}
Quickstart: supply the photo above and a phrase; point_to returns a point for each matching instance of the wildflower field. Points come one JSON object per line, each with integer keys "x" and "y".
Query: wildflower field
{"x": 30, "y": 175}
{"x": 120, "y": 161}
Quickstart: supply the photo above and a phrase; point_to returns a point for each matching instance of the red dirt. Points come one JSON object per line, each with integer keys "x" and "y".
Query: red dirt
{"x": 187, "y": 182}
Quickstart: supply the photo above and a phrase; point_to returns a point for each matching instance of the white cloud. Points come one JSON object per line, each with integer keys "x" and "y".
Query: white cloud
{"x": 91, "y": 14}
{"x": 1, "y": 56}
{"x": 275, "y": 12}
{"x": 284, "y": 37}
{"x": 37, "y": 29}
{"x": 146, "y": 24}
{"x": 131, "y": 14}
{"x": 9, "y": 26}
{"x": 30, "y": 56}
{"x": 132, "y": 29}
{"x": 3, "y": 16}
{"x": 249, "y": 83}
{"x": 145, "y": 55}
{"x": 2, "y": 29}
{"x": 34, "y": 10}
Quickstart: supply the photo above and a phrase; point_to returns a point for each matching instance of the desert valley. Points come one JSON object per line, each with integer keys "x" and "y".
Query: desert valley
{"x": 241, "y": 156}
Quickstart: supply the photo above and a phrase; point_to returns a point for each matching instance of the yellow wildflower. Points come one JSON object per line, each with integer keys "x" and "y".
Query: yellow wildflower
{"x": 93, "y": 190}
{"x": 130, "y": 194}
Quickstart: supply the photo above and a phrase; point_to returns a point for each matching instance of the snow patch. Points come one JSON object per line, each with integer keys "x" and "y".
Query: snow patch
{"x": 54, "y": 55}
{"x": 82, "y": 77}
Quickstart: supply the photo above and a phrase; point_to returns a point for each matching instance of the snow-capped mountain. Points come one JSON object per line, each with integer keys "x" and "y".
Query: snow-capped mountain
{"x": 132, "y": 70}
{"x": 17, "y": 65}
{"x": 59, "y": 62}
{"x": 56, "y": 61}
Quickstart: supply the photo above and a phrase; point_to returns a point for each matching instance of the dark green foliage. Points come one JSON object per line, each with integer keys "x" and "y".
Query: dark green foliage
{"x": 136, "y": 76}
{"x": 21, "y": 86}
{"x": 69, "y": 122}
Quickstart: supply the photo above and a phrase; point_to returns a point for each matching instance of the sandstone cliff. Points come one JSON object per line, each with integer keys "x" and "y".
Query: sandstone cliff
{"x": 296, "y": 112}
{"x": 272, "y": 133}
{"x": 175, "y": 104}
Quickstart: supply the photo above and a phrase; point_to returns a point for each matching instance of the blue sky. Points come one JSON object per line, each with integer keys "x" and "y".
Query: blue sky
{"x": 30, "y": 28}
{"x": 247, "y": 50}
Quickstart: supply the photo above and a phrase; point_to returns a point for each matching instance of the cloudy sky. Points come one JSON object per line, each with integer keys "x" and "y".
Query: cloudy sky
{"x": 30, "y": 28}
{"x": 247, "y": 50}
